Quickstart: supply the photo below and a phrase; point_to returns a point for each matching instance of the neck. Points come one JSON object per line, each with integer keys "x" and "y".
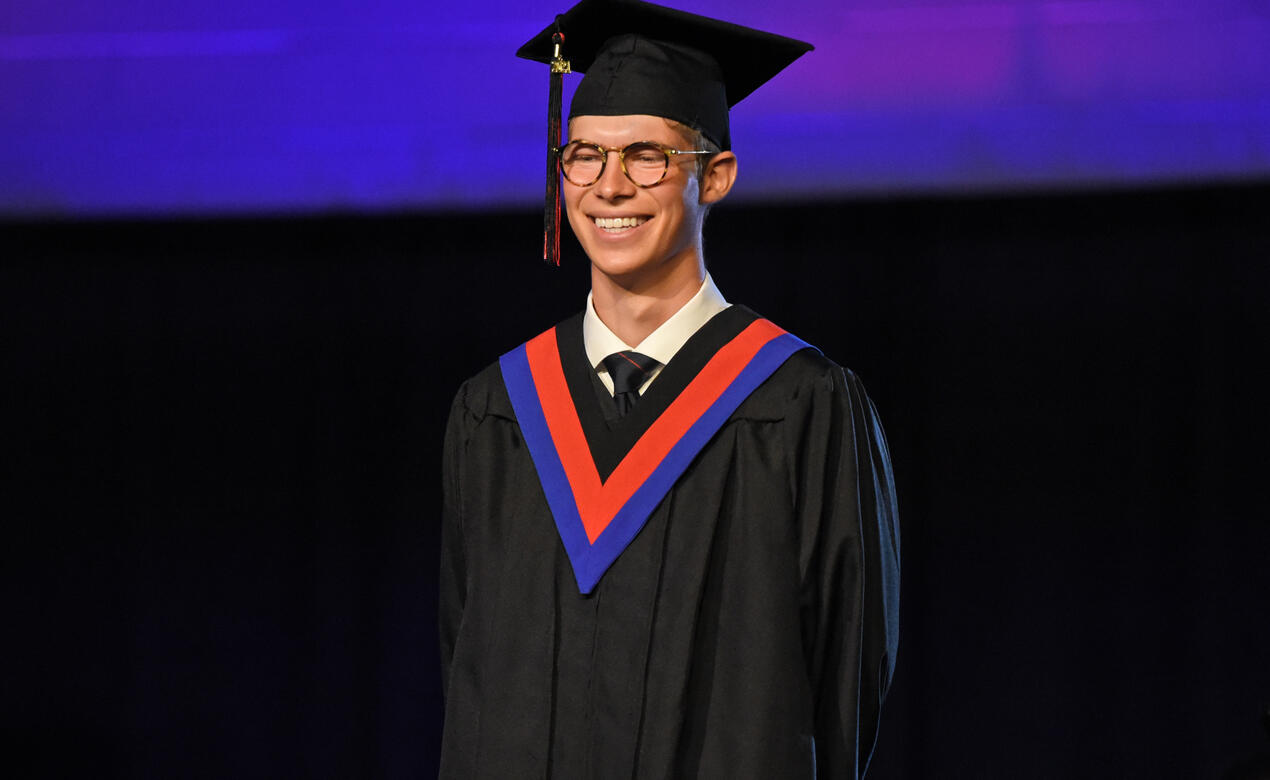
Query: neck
{"x": 633, "y": 309}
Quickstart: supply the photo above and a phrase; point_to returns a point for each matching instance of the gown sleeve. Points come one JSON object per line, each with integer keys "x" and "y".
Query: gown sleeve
{"x": 849, "y": 551}
{"x": 453, "y": 584}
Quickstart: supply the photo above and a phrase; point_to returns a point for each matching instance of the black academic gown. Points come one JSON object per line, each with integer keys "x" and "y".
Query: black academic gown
{"x": 748, "y": 631}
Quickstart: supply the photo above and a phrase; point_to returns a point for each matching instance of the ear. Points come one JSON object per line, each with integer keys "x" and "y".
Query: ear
{"x": 718, "y": 178}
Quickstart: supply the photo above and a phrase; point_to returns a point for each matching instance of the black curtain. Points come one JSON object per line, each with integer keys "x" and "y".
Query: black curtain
{"x": 221, "y": 445}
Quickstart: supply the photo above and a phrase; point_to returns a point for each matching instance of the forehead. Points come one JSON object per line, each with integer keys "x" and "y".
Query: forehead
{"x": 624, "y": 129}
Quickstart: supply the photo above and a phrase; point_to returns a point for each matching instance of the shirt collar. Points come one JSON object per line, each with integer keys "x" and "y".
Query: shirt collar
{"x": 662, "y": 344}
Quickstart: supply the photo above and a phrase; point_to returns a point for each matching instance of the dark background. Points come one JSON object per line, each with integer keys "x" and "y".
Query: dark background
{"x": 221, "y": 473}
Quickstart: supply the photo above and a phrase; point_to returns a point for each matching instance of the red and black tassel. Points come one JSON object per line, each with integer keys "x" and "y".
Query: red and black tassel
{"x": 551, "y": 217}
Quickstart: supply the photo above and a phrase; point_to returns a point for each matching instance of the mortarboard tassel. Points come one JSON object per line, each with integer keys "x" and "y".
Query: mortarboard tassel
{"x": 551, "y": 220}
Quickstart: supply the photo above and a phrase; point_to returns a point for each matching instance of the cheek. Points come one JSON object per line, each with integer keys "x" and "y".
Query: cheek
{"x": 571, "y": 201}
{"x": 687, "y": 206}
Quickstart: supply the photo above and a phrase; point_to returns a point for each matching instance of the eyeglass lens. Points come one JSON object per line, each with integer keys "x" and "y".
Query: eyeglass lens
{"x": 583, "y": 163}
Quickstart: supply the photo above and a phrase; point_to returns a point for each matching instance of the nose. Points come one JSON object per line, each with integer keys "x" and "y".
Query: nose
{"x": 613, "y": 182}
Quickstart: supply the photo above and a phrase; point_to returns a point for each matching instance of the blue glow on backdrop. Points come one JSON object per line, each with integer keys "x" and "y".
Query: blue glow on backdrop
{"x": 240, "y": 107}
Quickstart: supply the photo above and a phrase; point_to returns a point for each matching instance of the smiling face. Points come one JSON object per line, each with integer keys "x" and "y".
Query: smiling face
{"x": 639, "y": 238}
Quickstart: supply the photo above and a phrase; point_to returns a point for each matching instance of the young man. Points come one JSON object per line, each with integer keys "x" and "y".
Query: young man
{"x": 670, "y": 542}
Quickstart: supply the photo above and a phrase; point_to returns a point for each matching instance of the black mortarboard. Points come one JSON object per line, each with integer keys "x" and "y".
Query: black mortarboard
{"x": 641, "y": 58}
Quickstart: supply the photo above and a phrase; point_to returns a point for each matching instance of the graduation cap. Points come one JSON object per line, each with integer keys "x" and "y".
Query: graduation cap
{"x": 641, "y": 58}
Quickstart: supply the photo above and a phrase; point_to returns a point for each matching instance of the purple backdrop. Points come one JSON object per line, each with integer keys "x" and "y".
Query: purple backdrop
{"x": 154, "y": 108}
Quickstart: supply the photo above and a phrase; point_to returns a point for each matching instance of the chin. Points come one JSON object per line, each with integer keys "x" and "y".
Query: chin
{"x": 619, "y": 262}
{"x": 642, "y": 272}
{"x": 621, "y": 266}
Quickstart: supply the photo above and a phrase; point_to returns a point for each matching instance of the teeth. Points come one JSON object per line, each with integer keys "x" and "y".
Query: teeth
{"x": 617, "y": 223}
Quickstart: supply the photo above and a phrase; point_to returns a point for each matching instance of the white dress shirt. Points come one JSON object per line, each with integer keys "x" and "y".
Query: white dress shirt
{"x": 660, "y": 345}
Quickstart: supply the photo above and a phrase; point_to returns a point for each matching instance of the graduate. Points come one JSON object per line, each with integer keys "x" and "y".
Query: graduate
{"x": 670, "y": 543}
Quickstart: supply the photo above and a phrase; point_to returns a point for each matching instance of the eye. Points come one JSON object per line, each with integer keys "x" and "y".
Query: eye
{"x": 581, "y": 157}
{"x": 645, "y": 156}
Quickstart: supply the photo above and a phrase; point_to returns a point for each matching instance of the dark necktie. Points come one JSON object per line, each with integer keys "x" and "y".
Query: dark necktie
{"x": 628, "y": 370}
